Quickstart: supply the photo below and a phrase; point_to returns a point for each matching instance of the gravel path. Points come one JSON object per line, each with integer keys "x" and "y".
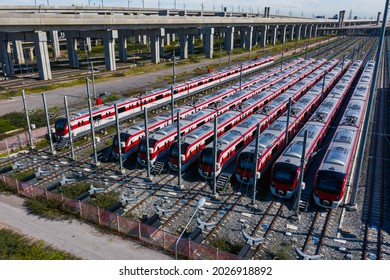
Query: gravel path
{"x": 80, "y": 239}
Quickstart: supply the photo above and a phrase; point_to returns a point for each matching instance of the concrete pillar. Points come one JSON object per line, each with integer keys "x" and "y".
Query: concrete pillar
{"x": 378, "y": 19}
{"x": 122, "y": 46}
{"x": 274, "y": 33}
{"x": 209, "y": 42}
{"x": 137, "y": 39}
{"x": 72, "y": 51}
{"x": 283, "y": 31}
{"x": 183, "y": 46}
{"x": 310, "y": 29}
{"x": 144, "y": 39}
{"x": 249, "y": 38}
{"x": 18, "y": 52}
{"x": 315, "y": 29}
{"x": 6, "y": 57}
{"x": 88, "y": 44}
{"x": 167, "y": 39}
{"x": 55, "y": 44}
{"x": 291, "y": 33}
{"x": 173, "y": 37}
{"x": 162, "y": 41}
{"x": 109, "y": 49}
{"x": 42, "y": 54}
{"x": 229, "y": 39}
{"x": 155, "y": 48}
{"x": 255, "y": 39}
{"x": 242, "y": 39}
{"x": 297, "y": 31}
{"x": 30, "y": 53}
{"x": 263, "y": 36}
{"x": 191, "y": 44}
{"x": 304, "y": 31}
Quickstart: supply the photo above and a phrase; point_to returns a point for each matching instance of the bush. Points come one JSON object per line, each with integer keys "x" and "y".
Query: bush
{"x": 104, "y": 200}
{"x": 50, "y": 209}
{"x": 226, "y": 245}
{"x": 14, "y": 246}
{"x": 76, "y": 189}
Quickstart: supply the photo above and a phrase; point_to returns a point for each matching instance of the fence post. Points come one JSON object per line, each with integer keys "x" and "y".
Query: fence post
{"x": 164, "y": 240}
{"x": 217, "y": 254}
{"x": 139, "y": 231}
{"x": 46, "y": 195}
{"x": 62, "y": 201}
{"x": 189, "y": 249}
{"x": 17, "y": 185}
{"x": 81, "y": 212}
{"x": 98, "y": 215}
{"x": 117, "y": 222}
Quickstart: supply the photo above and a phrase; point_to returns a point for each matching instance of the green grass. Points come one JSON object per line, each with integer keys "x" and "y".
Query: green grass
{"x": 76, "y": 189}
{"x": 49, "y": 209}
{"x": 22, "y": 174}
{"x": 226, "y": 245}
{"x": 104, "y": 200}
{"x": 5, "y": 189}
{"x": 14, "y": 246}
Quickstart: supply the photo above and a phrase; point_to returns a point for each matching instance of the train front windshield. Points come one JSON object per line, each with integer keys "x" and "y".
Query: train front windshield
{"x": 246, "y": 161}
{"x": 142, "y": 145}
{"x": 207, "y": 157}
{"x": 60, "y": 125}
{"x": 284, "y": 173}
{"x": 174, "y": 150}
{"x": 329, "y": 182}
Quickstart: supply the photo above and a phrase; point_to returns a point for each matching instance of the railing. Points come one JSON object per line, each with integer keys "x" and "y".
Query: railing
{"x": 134, "y": 229}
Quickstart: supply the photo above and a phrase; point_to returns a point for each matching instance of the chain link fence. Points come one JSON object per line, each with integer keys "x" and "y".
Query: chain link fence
{"x": 147, "y": 234}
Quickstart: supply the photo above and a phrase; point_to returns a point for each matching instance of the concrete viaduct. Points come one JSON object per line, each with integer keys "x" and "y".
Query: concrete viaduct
{"x": 42, "y": 25}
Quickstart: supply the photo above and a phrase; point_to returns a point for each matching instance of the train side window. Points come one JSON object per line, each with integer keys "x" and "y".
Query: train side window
{"x": 97, "y": 117}
{"x": 121, "y": 109}
{"x": 79, "y": 124}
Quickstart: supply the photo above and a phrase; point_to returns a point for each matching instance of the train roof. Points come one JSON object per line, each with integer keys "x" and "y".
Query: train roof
{"x": 361, "y": 92}
{"x": 276, "y": 102}
{"x": 293, "y": 152}
{"x": 322, "y": 113}
{"x": 354, "y": 113}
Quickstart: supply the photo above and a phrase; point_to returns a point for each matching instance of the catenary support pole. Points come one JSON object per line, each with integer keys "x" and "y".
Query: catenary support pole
{"x": 118, "y": 134}
{"x": 28, "y": 121}
{"x": 300, "y": 181}
{"x": 256, "y": 162}
{"x": 48, "y": 124}
{"x": 215, "y": 146}
{"x": 92, "y": 124}
{"x": 179, "y": 150}
{"x": 147, "y": 143}
{"x": 69, "y": 128}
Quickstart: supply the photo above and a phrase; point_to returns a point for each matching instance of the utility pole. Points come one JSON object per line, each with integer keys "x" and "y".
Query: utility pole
{"x": 300, "y": 182}
{"x": 174, "y": 68}
{"x": 69, "y": 128}
{"x": 323, "y": 85}
{"x": 28, "y": 121}
{"x": 256, "y": 162}
{"x": 241, "y": 77}
{"x": 172, "y": 105}
{"x": 215, "y": 146}
{"x": 118, "y": 134}
{"x": 53, "y": 152}
{"x": 288, "y": 120}
{"x": 147, "y": 142}
{"x": 91, "y": 120}
{"x": 179, "y": 150}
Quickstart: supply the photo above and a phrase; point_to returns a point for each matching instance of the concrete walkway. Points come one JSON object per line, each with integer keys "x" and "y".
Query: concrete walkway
{"x": 80, "y": 239}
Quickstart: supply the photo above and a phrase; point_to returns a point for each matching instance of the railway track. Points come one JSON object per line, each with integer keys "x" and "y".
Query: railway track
{"x": 375, "y": 184}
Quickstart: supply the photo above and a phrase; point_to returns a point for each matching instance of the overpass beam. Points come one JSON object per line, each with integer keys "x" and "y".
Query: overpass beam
{"x": 209, "y": 41}
{"x": 229, "y": 38}
{"x": 42, "y": 54}
{"x": 109, "y": 49}
{"x": 6, "y": 57}
{"x": 18, "y": 51}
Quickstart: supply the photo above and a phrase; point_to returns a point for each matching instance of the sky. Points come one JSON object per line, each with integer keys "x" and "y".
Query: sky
{"x": 328, "y": 8}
